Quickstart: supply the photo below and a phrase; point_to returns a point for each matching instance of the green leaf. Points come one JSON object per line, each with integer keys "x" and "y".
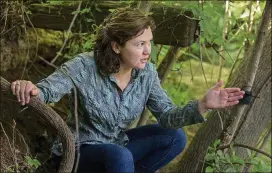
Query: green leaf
{"x": 210, "y": 157}
{"x": 97, "y": 8}
{"x": 220, "y": 154}
{"x": 55, "y": 2}
{"x": 89, "y": 20}
{"x": 227, "y": 157}
{"x": 218, "y": 41}
{"x": 254, "y": 161}
{"x": 249, "y": 153}
{"x": 209, "y": 169}
{"x": 231, "y": 169}
{"x": 238, "y": 160}
{"x": 75, "y": 12}
{"x": 216, "y": 142}
{"x": 28, "y": 159}
{"x": 154, "y": 52}
{"x": 85, "y": 10}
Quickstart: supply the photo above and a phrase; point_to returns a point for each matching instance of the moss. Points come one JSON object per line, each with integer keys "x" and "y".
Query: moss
{"x": 46, "y": 37}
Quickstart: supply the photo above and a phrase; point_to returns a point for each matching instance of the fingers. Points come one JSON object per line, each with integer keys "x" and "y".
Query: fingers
{"x": 22, "y": 92}
{"x": 232, "y": 103}
{"x": 239, "y": 93}
{"x": 17, "y": 90}
{"x": 234, "y": 98}
{"x": 231, "y": 90}
{"x": 13, "y": 84}
{"x": 22, "y": 89}
{"x": 28, "y": 88}
{"x": 34, "y": 91}
{"x": 219, "y": 84}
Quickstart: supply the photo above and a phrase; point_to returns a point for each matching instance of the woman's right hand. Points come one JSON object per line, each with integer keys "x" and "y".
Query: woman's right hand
{"x": 23, "y": 90}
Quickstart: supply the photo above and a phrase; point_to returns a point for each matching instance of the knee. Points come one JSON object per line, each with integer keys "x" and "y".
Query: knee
{"x": 120, "y": 155}
{"x": 180, "y": 138}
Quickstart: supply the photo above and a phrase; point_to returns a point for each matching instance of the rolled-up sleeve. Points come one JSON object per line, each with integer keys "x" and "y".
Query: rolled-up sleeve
{"x": 167, "y": 114}
{"x": 59, "y": 83}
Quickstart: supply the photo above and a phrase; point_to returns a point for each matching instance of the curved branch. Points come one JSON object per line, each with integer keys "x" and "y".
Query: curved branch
{"x": 53, "y": 122}
{"x": 245, "y": 146}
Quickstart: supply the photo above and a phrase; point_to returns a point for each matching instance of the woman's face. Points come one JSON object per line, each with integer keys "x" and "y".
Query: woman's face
{"x": 135, "y": 53}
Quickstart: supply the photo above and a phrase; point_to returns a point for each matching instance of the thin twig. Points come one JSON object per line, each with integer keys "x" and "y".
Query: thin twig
{"x": 191, "y": 71}
{"x": 37, "y": 39}
{"x": 12, "y": 151}
{"x": 217, "y": 52}
{"x": 245, "y": 146}
{"x": 211, "y": 61}
{"x": 27, "y": 55}
{"x": 76, "y": 122}
{"x": 26, "y": 146}
{"x": 77, "y": 130}
{"x": 201, "y": 62}
{"x": 47, "y": 62}
{"x": 6, "y": 17}
{"x": 66, "y": 38}
{"x": 221, "y": 121}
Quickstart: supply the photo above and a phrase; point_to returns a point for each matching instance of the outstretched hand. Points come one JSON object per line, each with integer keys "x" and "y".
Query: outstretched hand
{"x": 218, "y": 97}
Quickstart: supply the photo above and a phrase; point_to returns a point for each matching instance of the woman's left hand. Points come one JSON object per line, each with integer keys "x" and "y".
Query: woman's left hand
{"x": 218, "y": 97}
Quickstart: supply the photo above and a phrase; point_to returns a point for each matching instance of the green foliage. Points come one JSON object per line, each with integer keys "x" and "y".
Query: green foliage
{"x": 217, "y": 161}
{"x": 32, "y": 163}
{"x": 55, "y": 2}
{"x": 212, "y": 18}
{"x": 154, "y": 52}
{"x": 179, "y": 94}
{"x": 80, "y": 43}
{"x": 28, "y": 165}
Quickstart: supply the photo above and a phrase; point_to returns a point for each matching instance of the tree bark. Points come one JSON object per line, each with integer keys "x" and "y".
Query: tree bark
{"x": 256, "y": 115}
{"x": 52, "y": 120}
{"x": 255, "y": 119}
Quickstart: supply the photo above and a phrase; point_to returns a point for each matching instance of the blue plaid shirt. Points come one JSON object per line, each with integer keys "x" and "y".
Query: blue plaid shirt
{"x": 105, "y": 112}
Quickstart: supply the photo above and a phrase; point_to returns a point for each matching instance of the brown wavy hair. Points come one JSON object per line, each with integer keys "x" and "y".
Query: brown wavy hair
{"x": 120, "y": 26}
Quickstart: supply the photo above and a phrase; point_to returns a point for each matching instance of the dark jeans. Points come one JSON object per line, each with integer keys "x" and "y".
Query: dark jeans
{"x": 150, "y": 148}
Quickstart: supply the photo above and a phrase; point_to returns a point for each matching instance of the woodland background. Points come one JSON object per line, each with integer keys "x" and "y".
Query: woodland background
{"x": 196, "y": 43}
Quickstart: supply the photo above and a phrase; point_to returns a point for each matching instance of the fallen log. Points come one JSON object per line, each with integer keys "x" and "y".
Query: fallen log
{"x": 173, "y": 27}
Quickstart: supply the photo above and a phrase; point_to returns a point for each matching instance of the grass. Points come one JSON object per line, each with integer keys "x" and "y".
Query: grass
{"x": 191, "y": 79}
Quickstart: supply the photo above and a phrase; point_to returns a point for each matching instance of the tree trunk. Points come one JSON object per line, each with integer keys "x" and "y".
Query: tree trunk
{"x": 257, "y": 114}
{"x": 252, "y": 66}
{"x": 167, "y": 63}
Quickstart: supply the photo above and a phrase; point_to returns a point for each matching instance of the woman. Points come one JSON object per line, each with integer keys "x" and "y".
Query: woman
{"x": 114, "y": 84}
